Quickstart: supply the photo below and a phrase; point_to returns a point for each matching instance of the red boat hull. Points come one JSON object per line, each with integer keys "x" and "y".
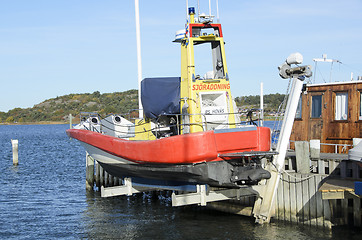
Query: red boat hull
{"x": 181, "y": 149}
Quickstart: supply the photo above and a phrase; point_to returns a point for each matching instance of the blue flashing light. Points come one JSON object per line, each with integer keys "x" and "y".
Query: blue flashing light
{"x": 191, "y": 10}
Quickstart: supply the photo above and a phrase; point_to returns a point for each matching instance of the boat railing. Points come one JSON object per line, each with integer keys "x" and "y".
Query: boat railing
{"x": 342, "y": 146}
{"x": 344, "y": 149}
{"x": 94, "y": 122}
{"x": 90, "y": 121}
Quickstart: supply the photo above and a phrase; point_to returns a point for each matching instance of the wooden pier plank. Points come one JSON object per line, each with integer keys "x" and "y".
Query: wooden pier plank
{"x": 286, "y": 198}
{"x": 345, "y": 211}
{"x": 312, "y": 200}
{"x": 327, "y": 215}
{"x": 293, "y": 199}
{"x": 280, "y": 201}
{"x": 355, "y": 170}
{"x": 318, "y": 201}
{"x": 299, "y": 205}
{"x": 357, "y": 212}
{"x": 306, "y": 203}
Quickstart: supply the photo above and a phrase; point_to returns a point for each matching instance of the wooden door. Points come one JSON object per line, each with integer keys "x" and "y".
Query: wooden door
{"x": 316, "y": 116}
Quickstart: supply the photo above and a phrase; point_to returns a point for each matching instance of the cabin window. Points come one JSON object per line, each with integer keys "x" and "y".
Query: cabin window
{"x": 208, "y": 60}
{"x": 341, "y": 107}
{"x": 298, "y": 114}
{"x": 316, "y": 106}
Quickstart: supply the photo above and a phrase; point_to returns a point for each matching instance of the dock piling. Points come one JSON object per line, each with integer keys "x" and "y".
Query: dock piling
{"x": 89, "y": 172}
{"x": 302, "y": 156}
{"x": 98, "y": 174}
{"x": 315, "y": 148}
{"x": 70, "y": 121}
{"x": 15, "y": 144}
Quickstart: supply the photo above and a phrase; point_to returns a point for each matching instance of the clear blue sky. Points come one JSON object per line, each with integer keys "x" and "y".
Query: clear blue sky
{"x": 50, "y": 48}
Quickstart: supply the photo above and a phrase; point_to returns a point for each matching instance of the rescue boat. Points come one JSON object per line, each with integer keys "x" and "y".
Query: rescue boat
{"x": 190, "y": 131}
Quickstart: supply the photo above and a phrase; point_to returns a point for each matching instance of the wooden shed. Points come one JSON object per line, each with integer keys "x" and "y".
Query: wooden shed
{"x": 331, "y": 112}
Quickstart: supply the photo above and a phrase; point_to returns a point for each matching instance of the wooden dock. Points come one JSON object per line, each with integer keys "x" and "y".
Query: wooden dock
{"x": 321, "y": 194}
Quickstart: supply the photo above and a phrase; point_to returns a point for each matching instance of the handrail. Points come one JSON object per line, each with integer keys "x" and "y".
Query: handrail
{"x": 336, "y": 145}
{"x": 203, "y": 124}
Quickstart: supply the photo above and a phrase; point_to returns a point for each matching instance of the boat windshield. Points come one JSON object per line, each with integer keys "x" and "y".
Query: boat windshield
{"x": 206, "y": 66}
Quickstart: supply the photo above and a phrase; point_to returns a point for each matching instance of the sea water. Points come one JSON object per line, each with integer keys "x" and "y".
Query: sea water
{"x": 44, "y": 197}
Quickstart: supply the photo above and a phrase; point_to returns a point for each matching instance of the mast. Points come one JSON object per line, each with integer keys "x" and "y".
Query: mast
{"x": 209, "y": 7}
{"x": 217, "y": 11}
{"x": 206, "y": 100}
{"x": 261, "y": 104}
{"x": 139, "y": 62}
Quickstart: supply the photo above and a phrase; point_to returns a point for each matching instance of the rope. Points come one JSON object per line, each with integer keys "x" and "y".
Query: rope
{"x": 296, "y": 178}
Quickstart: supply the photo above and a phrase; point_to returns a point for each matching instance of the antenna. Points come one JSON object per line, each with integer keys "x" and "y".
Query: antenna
{"x": 202, "y": 17}
{"x": 209, "y": 7}
{"x": 217, "y": 11}
{"x": 139, "y": 62}
{"x": 324, "y": 59}
{"x": 198, "y": 8}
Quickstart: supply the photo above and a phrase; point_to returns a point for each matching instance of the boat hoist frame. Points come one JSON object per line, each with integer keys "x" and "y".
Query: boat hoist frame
{"x": 202, "y": 196}
{"x": 199, "y": 194}
{"x": 266, "y": 189}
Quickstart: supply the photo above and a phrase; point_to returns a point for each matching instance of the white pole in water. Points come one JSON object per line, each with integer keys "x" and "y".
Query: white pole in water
{"x": 261, "y": 104}
{"x": 15, "y": 144}
{"x": 139, "y": 62}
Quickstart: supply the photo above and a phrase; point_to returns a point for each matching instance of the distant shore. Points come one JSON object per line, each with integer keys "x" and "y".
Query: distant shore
{"x": 37, "y": 123}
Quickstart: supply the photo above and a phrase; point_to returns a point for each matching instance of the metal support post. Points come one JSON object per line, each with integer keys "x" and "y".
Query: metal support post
{"x": 126, "y": 189}
{"x": 263, "y": 209}
{"x": 202, "y": 195}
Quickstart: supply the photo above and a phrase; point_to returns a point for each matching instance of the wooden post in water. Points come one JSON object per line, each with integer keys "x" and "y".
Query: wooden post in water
{"x": 101, "y": 176}
{"x": 70, "y": 121}
{"x": 98, "y": 174}
{"x": 15, "y": 144}
{"x": 89, "y": 172}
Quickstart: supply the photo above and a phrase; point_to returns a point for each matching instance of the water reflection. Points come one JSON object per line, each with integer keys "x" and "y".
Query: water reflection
{"x": 150, "y": 216}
